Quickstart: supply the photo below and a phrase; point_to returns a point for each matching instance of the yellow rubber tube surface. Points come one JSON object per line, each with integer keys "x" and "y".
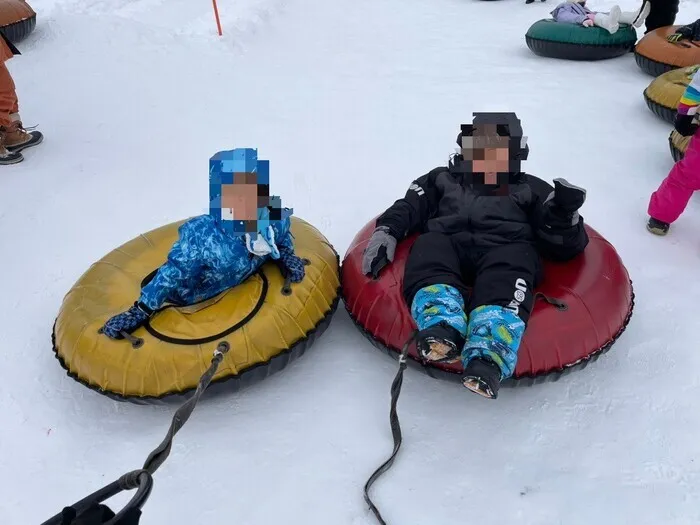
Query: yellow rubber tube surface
{"x": 667, "y": 89}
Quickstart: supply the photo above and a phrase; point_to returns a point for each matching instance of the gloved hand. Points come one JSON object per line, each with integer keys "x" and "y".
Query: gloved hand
{"x": 587, "y": 23}
{"x": 379, "y": 251}
{"x": 135, "y": 317}
{"x": 688, "y": 32}
{"x": 685, "y": 125}
{"x": 567, "y": 197}
{"x": 293, "y": 265}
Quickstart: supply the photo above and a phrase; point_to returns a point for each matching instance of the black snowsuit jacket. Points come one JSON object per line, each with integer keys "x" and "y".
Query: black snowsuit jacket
{"x": 442, "y": 201}
{"x": 477, "y": 220}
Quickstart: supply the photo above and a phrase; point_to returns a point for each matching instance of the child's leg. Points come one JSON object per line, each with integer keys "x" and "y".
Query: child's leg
{"x": 502, "y": 300}
{"x": 636, "y": 18}
{"x": 662, "y": 13}
{"x": 500, "y": 308}
{"x": 670, "y": 200}
{"x": 608, "y": 21}
{"x": 434, "y": 291}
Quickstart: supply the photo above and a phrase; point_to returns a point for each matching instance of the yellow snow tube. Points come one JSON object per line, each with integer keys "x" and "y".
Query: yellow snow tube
{"x": 265, "y": 327}
{"x": 678, "y": 144}
{"x": 665, "y": 91}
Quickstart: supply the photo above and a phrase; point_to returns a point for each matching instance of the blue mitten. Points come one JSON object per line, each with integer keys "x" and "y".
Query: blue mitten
{"x": 293, "y": 265}
{"x": 135, "y": 317}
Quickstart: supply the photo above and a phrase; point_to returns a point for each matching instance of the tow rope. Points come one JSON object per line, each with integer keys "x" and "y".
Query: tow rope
{"x": 90, "y": 511}
{"x": 395, "y": 426}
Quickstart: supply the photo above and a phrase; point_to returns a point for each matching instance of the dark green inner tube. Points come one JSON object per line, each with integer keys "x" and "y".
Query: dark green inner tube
{"x": 575, "y": 42}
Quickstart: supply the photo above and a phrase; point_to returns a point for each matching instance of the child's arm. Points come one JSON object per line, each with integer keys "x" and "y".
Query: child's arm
{"x": 559, "y": 229}
{"x": 185, "y": 260}
{"x": 412, "y": 212}
{"x": 293, "y": 265}
{"x": 688, "y": 107}
{"x": 690, "y": 100}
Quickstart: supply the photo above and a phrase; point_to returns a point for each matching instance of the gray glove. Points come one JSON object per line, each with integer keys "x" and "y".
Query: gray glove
{"x": 379, "y": 251}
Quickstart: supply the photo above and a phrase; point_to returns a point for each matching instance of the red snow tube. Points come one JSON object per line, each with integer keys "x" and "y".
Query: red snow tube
{"x": 581, "y": 308}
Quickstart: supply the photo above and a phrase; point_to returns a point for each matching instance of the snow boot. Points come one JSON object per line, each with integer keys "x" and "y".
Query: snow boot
{"x": 439, "y": 343}
{"x": 638, "y": 18}
{"x": 493, "y": 334}
{"x": 7, "y": 156}
{"x": 18, "y": 138}
{"x": 483, "y": 377}
{"x": 438, "y": 311}
{"x": 610, "y": 21}
{"x": 657, "y": 227}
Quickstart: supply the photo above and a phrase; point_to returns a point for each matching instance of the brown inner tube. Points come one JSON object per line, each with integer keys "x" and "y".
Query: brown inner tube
{"x": 654, "y": 46}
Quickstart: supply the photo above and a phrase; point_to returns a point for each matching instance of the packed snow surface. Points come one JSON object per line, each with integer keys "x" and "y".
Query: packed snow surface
{"x": 350, "y": 100}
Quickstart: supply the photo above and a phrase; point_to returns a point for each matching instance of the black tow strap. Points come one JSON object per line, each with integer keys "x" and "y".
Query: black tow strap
{"x": 395, "y": 426}
{"x": 90, "y": 511}
{"x": 394, "y": 417}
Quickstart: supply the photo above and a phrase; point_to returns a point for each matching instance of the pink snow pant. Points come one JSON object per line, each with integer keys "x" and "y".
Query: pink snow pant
{"x": 668, "y": 202}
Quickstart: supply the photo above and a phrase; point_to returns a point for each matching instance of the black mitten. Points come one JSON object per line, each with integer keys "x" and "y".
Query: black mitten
{"x": 567, "y": 197}
{"x": 135, "y": 317}
{"x": 684, "y": 125}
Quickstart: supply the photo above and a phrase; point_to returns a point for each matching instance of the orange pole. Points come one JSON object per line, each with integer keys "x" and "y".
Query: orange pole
{"x": 216, "y": 15}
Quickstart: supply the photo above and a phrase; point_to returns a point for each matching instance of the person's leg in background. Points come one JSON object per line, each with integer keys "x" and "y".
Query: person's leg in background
{"x": 662, "y": 13}
{"x": 13, "y": 137}
{"x": 8, "y": 106}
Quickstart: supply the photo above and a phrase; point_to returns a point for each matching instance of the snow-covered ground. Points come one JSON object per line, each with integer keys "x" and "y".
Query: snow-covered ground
{"x": 350, "y": 100}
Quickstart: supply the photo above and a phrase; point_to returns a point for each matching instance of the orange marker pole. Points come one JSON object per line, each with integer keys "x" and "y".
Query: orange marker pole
{"x": 216, "y": 15}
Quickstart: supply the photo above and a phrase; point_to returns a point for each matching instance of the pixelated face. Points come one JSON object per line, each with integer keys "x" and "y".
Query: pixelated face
{"x": 488, "y": 153}
{"x": 241, "y": 197}
{"x": 239, "y": 193}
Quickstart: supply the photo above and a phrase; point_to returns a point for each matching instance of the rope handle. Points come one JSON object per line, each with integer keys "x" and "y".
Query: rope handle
{"x": 557, "y": 303}
{"x": 136, "y": 342}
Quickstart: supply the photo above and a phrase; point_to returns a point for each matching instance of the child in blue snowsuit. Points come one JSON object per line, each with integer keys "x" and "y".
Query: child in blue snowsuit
{"x": 481, "y": 220}
{"x": 244, "y": 229}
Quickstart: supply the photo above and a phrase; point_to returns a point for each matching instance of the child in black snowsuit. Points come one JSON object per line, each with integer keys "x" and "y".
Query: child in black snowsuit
{"x": 484, "y": 222}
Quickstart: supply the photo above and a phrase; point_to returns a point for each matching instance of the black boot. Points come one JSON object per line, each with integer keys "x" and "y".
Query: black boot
{"x": 440, "y": 343}
{"x": 657, "y": 227}
{"x": 483, "y": 377}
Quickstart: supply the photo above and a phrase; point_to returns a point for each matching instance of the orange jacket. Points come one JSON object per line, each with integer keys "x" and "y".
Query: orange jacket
{"x": 7, "y": 49}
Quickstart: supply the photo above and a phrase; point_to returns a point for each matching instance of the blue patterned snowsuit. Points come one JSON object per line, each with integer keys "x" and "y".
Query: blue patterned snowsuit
{"x": 205, "y": 261}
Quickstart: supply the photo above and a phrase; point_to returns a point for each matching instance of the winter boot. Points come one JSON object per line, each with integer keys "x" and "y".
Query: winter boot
{"x": 483, "y": 377}
{"x": 440, "y": 343}
{"x": 657, "y": 227}
{"x": 18, "y": 138}
{"x": 438, "y": 311}
{"x": 610, "y": 21}
{"x": 638, "y": 18}
{"x": 6, "y": 156}
{"x": 493, "y": 335}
